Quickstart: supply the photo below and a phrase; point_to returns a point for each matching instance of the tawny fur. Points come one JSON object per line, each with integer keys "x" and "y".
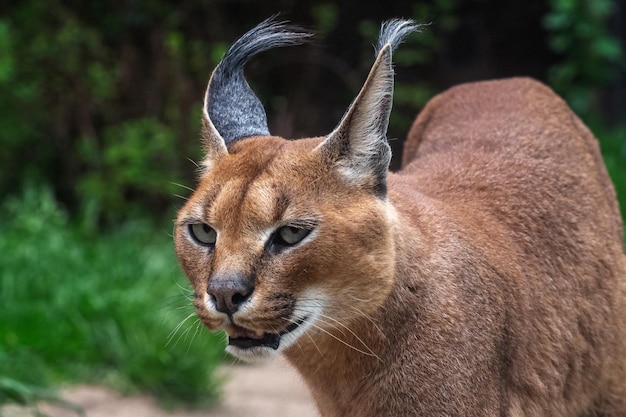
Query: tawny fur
{"x": 489, "y": 280}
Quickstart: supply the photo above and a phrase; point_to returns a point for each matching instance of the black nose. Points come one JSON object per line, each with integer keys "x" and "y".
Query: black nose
{"x": 230, "y": 292}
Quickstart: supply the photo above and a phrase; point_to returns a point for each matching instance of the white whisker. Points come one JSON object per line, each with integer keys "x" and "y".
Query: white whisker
{"x": 321, "y": 319}
{"x": 182, "y": 186}
{"x": 351, "y": 332}
{"x": 170, "y": 337}
{"x": 186, "y": 332}
{"x": 344, "y": 342}
{"x": 368, "y": 317}
{"x": 310, "y": 338}
{"x": 194, "y": 162}
{"x": 198, "y": 327}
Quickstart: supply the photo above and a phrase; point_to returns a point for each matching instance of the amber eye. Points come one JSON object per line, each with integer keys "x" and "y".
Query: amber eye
{"x": 203, "y": 233}
{"x": 289, "y": 235}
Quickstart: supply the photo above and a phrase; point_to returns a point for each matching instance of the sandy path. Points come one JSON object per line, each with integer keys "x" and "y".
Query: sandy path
{"x": 271, "y": 389}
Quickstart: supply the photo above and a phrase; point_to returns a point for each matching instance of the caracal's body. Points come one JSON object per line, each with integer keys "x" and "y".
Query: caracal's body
{"x": 486, "y": 278}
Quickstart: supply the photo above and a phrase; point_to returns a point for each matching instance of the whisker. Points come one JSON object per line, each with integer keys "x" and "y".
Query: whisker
{"x": 198, "y": 327}
{"x": 344, "y": 342}
{"x": 314, "y": 344}
{"x": 170, "y": 337}
{"x": 362, "y": 300}
{"x": 321, "y": 318}
{"x": 368, "y": 317}
{"x": 310, "y": 338}
{"x": 194, "y": 162}
{"x": 185, "y": 291}
{"x": 351, "y": 332}
{"x": 185, "y": 334}
{"x": 302, "y": 302}
{"x": 173, "y": 300}
{"x": 181, "y": 185}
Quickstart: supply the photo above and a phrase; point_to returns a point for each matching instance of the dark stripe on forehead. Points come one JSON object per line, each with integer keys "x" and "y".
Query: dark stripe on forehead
{"x": 210, "y": 198}
{"x": 260, "y": 169}
{"x": 281, "y": 205}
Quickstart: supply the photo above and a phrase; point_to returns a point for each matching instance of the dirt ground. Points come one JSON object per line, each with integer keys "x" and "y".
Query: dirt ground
{"x": 270, "y": 389}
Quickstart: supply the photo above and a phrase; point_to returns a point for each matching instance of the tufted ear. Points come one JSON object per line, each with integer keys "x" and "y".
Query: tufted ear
{"x": 358, "y": 146}
{"x": 231, "y": 109}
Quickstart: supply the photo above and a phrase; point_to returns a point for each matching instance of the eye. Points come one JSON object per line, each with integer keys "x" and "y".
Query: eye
{"x": 289, "y": 235}
{"x": 203, "y": 233}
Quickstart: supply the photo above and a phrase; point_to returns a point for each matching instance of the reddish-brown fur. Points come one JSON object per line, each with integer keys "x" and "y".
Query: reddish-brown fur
{"x": 498, "y": 288}
{"x": 486, "y": 278}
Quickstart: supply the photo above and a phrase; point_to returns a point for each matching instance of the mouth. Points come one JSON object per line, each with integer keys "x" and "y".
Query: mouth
{"x": 246, "y": 339}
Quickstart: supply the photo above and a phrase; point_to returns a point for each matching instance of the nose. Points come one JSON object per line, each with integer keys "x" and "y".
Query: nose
{"x": 230, "y": 292}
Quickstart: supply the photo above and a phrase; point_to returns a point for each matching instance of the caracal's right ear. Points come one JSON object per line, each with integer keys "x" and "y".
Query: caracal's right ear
{"x": 358, "y": 147}
{"x": 231, "y": 109}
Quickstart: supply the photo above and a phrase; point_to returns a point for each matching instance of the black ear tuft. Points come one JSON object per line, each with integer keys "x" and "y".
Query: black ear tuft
{"x": 230, "y": 104}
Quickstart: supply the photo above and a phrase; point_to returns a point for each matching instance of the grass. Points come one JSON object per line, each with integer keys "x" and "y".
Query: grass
{"x": 97, "y": 308}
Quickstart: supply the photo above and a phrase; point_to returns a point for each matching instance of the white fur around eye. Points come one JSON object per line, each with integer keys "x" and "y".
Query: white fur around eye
{"x": 203, "y": 233}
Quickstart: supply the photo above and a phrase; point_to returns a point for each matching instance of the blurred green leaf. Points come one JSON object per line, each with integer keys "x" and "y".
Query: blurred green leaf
{"x": 578, "y": 32}
{"x": 97, "y": 307}
{"x": 326, "y": 16}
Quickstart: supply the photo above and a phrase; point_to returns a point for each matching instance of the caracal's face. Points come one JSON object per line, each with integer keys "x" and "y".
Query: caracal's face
{"x": 277, "y": 245}
{"x": 289, "y": 239}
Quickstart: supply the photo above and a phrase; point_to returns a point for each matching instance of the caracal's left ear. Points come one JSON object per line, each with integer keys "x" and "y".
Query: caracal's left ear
{"x": 358, "y": 147}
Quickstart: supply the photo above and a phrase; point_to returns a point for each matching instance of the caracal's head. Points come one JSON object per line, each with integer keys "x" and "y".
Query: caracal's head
{"x": 285, "y": 238}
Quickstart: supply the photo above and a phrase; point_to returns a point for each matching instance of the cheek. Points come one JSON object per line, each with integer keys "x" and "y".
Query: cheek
{"x": 195, "y": 263}
{"x": 286, "y": 276}
{"x": 357, "y": 267}
{"x": 280, "y": 274}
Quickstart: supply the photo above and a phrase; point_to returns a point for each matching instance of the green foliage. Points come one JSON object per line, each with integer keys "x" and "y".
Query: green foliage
{"x": 75, "y": 112}
{"x": 439, "y": 18}
{"x": 91, "y": 307}
{"x": 613, "y": 145}
{"x": 326, "y": 16}
{"x": 590, "y": 61}
{"x": 422, "y": 50}
{"x": 578, "y": 32}
{"x": 129, "y": 160}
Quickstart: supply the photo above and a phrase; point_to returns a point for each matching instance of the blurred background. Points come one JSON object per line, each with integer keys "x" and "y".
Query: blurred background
{"x": 99, "y": 119}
